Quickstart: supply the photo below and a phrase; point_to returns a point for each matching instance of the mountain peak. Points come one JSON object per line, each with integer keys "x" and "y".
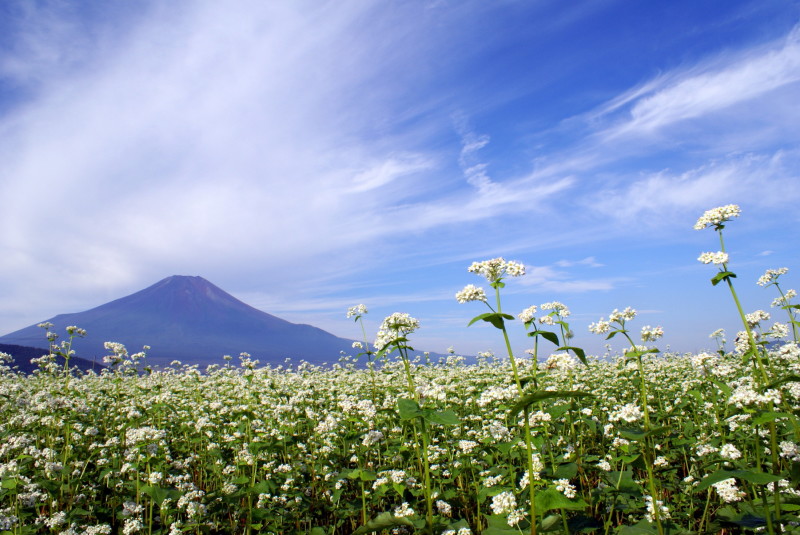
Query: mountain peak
{"x": 188, "y": 318}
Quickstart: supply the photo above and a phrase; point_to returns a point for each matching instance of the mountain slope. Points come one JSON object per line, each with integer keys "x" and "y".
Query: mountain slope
{"x": 189, "y": 319}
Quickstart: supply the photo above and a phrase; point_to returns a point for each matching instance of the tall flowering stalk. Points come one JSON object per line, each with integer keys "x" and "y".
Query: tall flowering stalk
{"x": 393, "y": 335}
{"x": 716, "y": 219}
{"x": 495, "y": 270}
{"x": 616, "y": 324}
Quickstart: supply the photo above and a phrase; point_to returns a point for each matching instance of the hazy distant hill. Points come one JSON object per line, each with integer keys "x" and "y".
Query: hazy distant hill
{"x": 191, "y": 320}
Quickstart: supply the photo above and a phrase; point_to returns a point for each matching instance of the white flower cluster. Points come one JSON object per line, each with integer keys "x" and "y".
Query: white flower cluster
{"x": 704, "y": 360}
{"x": 620, "y": 317}
{"x": 754, "y": 318}
{"x": 528, "y": 315}
{"x": 771, "y": 275}
{"x": 744, "y": 396}
{"x": 461, "y": 531}
{"x": 444, "y": 508}
{"x": 651, "y": 334}
{"x": 663, "y": 511}
{"x": 729, "y": 451}
{"x": 728, "y": 491}
{"x": 496, "y": 268}
{"x": 629, "y": 412}
{"x": 404, "y": 510}
{"x": 717, "y": 258}
{"x": 395, "y": 326}
{"x": 471, "y": 293}
{"x": 358, "y": 310}
{"x": 560, "y": 309}
{"x": 504, "y": 503}
{"x": 561, "y": 362}
{"x": 600, "y": 327}
{"x": 784, "y": 299}
{"x": 790, "y": 450}
{"x": 564, "y": 486}
{"x": 717, "y": 216}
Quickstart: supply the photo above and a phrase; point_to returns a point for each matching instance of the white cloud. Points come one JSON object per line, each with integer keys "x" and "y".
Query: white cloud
{"x": 705, "y": 89}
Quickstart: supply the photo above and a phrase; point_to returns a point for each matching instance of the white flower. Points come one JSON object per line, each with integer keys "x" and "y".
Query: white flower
{"x": 716, "y": 216}
{"x": 358, "y": 310}
{"x": 771, "y": 275}
{"x": 601, "y": 327}
{"x": 651, "y": 334}
{"x": 404, "y": 510}
{"x": 717, "y": 258}
{"x": 560, "y": 309}
{"x": 729, "y": 451}
{"x": 528, "y": 315}
{"x": 496, "y": 268}
{"x": 728, "y": 491}
{"x": 564, "y": 486}
{"x": 620, "y": 317}
{"x": 504, "y": 503}
{"x": 754, "y": 318}
{"x": 395, "y": 326}
{"x": 471, "y": 293}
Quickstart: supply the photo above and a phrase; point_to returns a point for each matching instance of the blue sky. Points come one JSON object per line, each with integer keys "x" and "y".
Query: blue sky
{"x": 310, "y": 156}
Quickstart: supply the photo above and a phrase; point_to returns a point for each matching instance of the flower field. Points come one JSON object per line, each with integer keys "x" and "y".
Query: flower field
{"x": 566, "y": 443}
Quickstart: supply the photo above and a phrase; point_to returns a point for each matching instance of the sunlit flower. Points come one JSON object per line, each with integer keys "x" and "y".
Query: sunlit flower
{"x": 471, "y": 293}
{"x": 528, "y": 315}
{"x": 494, "y": 270}
{"x": 503, "y": 503}
{"x": 651, "y": 334}
{"x": 717, "y": 258}
{"x": 717, "y": 216}
{"x": 358, "y": 310}
{"x": 771, "y": 275}
{"x": 396, "y": 325}
{"x": 728, "y": 491}
{"x": 600, "y": 327}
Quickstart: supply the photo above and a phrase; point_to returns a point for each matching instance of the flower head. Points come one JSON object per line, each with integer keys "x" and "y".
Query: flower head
{"x": 651, "y": 334}
{"x": 471, "y": 293}
{"x": 496, "y": 268}
{"x": 397, "y": 325}
{"x": 717, "y": 216}
{"x": 771, "y": 275}
{"x": 528, "y": 315}
{"x": 356, "y": 311}
{"x": 717, "y": 258}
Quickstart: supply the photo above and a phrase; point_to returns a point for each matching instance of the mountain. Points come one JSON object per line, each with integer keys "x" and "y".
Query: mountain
{"x": 23, "y": 355}
{"x": 191, "y": 320}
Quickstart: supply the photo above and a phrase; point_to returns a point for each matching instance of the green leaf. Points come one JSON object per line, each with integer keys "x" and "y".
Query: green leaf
{"x": 721, "y": 276}
{"x": 551, "y": 523}
{"x": 547, "y": 335}
{"x": 498, "y": 525}
{"x": 770, "y": 417}
{"x": 445, "y": 417}
{"x": 383, "y": 521}
{"x": 756, "y": 478}
{"x": 408, "y": 409}
{"x": 566, "y": 471}
{"x": 495, "y": 318}
{"x": 550, "y": 499}
{"x": 787, "y": 379}
{"x": 529, "y": 399}
{"x": 317, "y": 531}
{"x": 580, "y": 353}
{"x": 642, "y": 528}
{"x": 637, "y": 434}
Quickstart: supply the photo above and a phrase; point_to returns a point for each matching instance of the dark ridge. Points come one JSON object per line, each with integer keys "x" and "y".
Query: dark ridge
{"x": 23, "y": 355}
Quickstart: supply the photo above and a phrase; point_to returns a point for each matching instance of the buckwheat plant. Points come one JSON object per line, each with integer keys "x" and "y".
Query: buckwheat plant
{"x": 616, "y": 324}
{"x": 770, "y": 278}
{"x": 393, "y": 335}
{"x": 495, "y": 271}
{"x": 716, "y": 219}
